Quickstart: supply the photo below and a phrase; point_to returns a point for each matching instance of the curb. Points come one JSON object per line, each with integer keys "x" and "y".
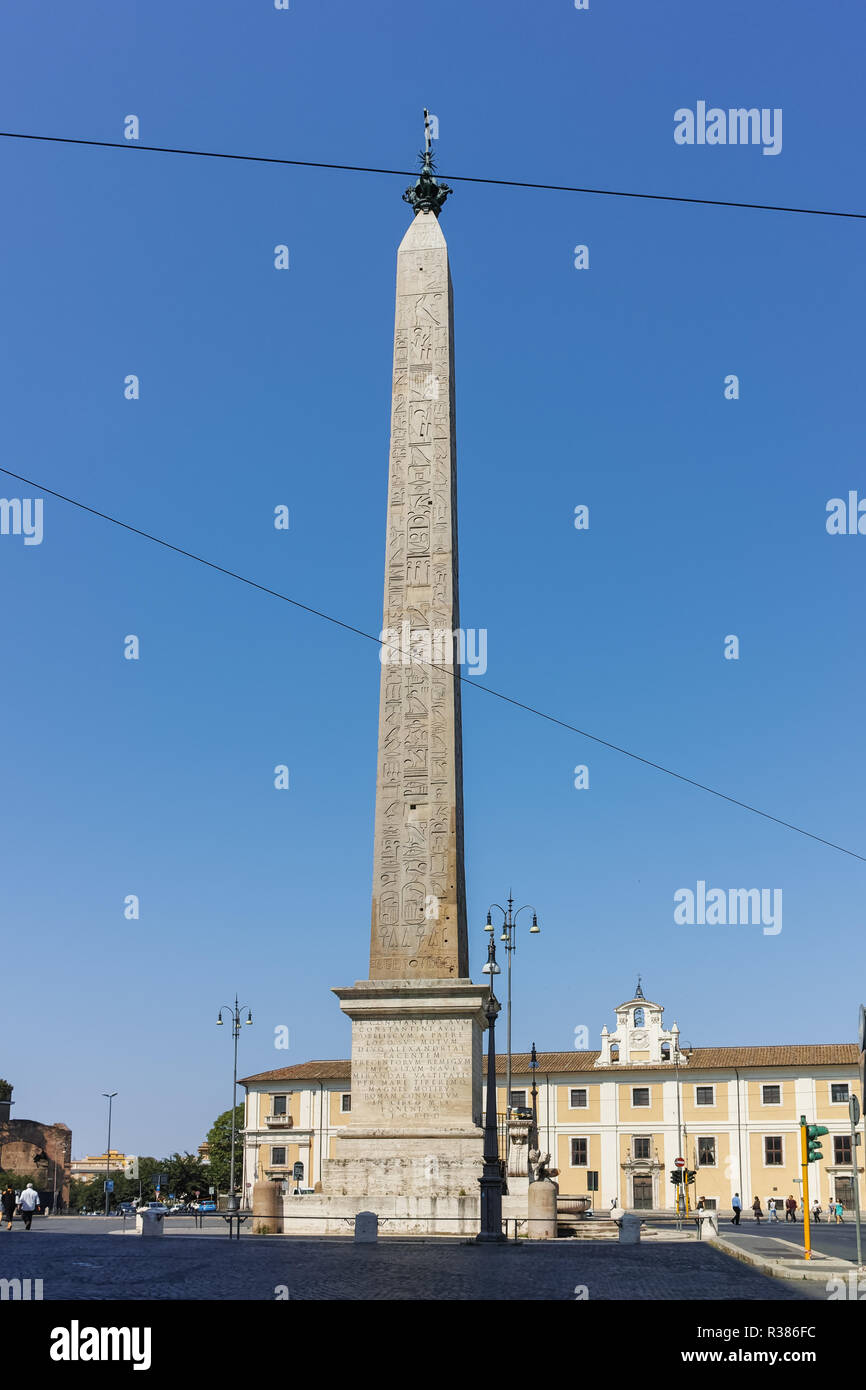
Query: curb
{"x": 776, "y": 1268}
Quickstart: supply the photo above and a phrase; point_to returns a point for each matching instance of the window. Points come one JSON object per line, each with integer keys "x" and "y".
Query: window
{"x": 278, "y": 1105}
{"x": 638, "y": 1018}
{"x": 707, "y": 1152}
{"x": 346, "y": 1102}
{"x": 577, "y": 1099}
{"x": 666, "y": 1052}
{"x": 640, "y": 1096}
{"x": 642, "y": 1144}
{"x": 705, "y": 1095}
{"x": 773, "y": 1150}
{"x": 841, "y": 1148}
{"x": 518, "y": 1100}
{"x": 839, "y": 1092}
{"x": 278, "y": 1155}
{"x": 710, "y": 1203}
{"x": 614, "y": 1052}
{"x": 579, "y": 1153}
{"x": 771, "y": 1095}
{"x": 591, "y": 1180}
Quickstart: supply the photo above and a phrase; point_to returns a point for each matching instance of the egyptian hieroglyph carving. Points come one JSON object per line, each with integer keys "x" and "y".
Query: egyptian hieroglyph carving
{"x": 419, "y": 918}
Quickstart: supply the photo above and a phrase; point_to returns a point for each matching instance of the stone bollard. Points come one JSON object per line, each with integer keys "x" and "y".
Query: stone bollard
{"x": 542, "y": 1209}
{"x": 708, "y": 1225}
{"x": 149, "y": 1224}
{"x": 629, "y": 1229}
{"x": 266, "y": 1208}
{"x": 366, "y": 1227}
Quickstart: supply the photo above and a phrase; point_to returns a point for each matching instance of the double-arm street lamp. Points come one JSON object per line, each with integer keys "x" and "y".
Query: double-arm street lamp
{"x": 232, "y": 1203}
{"x": 509, "y": 937}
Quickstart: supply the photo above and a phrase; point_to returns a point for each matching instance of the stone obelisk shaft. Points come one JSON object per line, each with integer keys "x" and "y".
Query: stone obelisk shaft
{"x": 419, "y": 913}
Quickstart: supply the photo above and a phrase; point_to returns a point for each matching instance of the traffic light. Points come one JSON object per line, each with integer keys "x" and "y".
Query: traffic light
{"x": 690, "y": 1175}
{"x": 676, "y": 1176}
{"x": 813, "y": 1148}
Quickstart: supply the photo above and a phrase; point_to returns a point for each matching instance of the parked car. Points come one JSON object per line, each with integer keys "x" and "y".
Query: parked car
{"x": 125, "y": 1209}
{"x": 158, "y": 1207}
{"x": 207, "y": 1206}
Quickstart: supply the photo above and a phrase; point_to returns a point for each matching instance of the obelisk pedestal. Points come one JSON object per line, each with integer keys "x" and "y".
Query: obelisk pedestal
{"x": 416, "y": 1089}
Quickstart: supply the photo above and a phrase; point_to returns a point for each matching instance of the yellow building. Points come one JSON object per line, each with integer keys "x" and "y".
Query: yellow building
{"x": 96, "y": 1165}
{"x": 614, "y": 1121}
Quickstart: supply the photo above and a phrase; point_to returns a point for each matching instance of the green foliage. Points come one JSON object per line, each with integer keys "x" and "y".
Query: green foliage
{"x": 17, "y": 1180}
{"x": 6, "y": 1089}
{"x": 182, "y": 1176}
{"x": 219, "y": 1138}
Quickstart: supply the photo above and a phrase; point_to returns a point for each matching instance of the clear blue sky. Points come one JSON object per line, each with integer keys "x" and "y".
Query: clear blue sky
{"x": 260, "y": 387}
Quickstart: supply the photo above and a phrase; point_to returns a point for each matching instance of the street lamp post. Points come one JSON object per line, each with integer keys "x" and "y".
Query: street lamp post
{"x": 533, "y": 1134}
{"x": 232, "y": 1201}
{"x": 678, "y": 1052}
{"x": 491, "y": 1176}
{"x": 109, "y": 1096}
{"x": 509, "y": 937}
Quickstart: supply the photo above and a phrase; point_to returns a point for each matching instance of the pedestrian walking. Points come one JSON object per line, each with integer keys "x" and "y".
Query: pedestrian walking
{"x": 28, "y": 1202}
{"x": 7, "y": 1203}
{"x": 791, "y": 1209}
{"x": 738, "y": 1207}
{"x": 816, "y": 1211}
{"x": 839, "y": 1209}
{"x": 756, "y": 1208}
{"x": 771, "y": 1210}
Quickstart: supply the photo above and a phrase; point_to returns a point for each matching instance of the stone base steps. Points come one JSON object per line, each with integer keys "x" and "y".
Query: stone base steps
{"x": 587, "y": 1228}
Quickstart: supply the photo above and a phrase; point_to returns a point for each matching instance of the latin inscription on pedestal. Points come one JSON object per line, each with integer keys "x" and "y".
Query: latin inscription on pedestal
{"x": 414, "y": 1070}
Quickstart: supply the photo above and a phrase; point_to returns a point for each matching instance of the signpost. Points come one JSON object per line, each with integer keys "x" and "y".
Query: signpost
{"x": 854, "y": 1116}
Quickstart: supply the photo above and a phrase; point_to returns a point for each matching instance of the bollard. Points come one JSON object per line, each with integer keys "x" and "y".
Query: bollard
{"x": 149, "y": 1224}
{"x": 708, "y": 1225}
{"x": 366, "y": 1227}
{"x": 629, "y": 1229}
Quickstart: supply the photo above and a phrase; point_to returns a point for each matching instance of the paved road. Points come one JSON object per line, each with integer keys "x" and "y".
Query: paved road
{"x": 839, "y": 1241}
{"x": 97, "y": 1265}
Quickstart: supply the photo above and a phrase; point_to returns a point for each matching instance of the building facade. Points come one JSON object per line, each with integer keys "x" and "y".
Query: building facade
{"x": 97, "y": 1165}
{"x": 614, "y": 1121}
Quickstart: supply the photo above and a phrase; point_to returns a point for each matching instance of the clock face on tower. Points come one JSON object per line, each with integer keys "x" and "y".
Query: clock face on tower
{"x": 639, "y": 1040}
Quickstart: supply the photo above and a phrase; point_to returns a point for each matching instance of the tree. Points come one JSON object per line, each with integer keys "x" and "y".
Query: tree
{"x": 219, "y": 1138}
{"x": 17, "y": 1180}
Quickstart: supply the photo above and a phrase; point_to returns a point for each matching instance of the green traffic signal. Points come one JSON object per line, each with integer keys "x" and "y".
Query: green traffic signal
{"x": 813, "y": 1148}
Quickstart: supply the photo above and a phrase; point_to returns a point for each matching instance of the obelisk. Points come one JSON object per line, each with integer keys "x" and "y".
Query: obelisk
{"x": 419, "y": 912}
{"x": 417, "y": 1021}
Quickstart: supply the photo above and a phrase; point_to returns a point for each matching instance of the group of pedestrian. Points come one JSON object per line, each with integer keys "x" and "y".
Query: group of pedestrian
{"x": 833, "y": 1209}
{"x": 27, "y": 1204}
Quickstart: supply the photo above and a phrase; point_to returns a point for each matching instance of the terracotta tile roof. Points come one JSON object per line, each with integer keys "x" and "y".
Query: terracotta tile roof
{"x": 700, "y": 1059}
{"x": 304, "y": 1071}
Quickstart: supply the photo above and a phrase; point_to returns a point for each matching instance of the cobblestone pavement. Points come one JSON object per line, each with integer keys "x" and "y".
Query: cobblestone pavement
{"x": 102, "y": 1266}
